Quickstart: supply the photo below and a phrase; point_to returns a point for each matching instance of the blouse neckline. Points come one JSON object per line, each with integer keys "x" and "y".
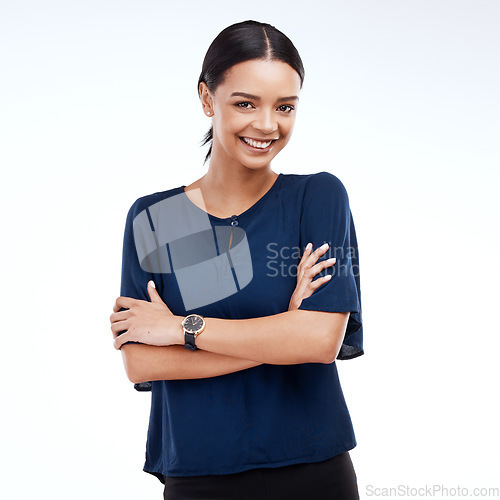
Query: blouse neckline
{"x": 248, "y": 211}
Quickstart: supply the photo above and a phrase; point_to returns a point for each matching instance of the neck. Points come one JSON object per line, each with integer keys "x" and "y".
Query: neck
{"x": 234, "y": 183}
{"x": 237, "y": 186}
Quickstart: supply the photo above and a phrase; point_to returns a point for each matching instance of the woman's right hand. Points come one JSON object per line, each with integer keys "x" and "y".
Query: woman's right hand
{"x": 306, "y": 271}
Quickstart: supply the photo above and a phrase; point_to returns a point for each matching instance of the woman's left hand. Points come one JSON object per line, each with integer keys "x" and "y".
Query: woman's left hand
{"x": 146, "y": 322}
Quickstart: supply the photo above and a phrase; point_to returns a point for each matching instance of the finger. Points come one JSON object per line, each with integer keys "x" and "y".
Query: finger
{"x": 303, "y": 259}
{"x": 320, "y": 251}
{"x": 126, "y": 302}
{"x": 314, "y": 256}
{"x": 119, "y": 316}
{"x": 120, "y": 326}
{"x": 320, "y": 281}
{"x": 320, "y": 266}
{"x": 307, "y": 275}
{"x": 307, "y": 270}
{"x": 307, "y": 251}
{"x": 117, "y": 333}
{"x": 306, "y": 288}
{"x": 153, "y": 292}
{"x": 120, "y": 340}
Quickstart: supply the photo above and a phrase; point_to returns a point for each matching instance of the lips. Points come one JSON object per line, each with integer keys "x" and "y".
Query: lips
{"x": 258, "y": 144}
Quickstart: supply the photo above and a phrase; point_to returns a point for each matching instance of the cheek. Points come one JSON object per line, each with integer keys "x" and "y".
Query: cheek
{"x": 237, "y": 123}
{"x": 231, "y": 124}
{"x": 287, "y": 129}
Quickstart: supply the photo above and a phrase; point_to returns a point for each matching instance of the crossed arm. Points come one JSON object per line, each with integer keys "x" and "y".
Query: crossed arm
{"x": 287, "y": 338}
{"x": 227, "y": 346}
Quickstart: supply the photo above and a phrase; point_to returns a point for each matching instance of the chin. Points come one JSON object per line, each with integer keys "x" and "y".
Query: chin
{"x": 257, "y": 164}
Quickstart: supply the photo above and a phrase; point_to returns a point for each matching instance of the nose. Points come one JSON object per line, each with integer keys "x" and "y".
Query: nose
{"x": 265, "y": 122}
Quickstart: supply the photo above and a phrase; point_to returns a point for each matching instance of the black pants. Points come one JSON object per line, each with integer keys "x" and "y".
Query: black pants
{"x": 332, "y": 479}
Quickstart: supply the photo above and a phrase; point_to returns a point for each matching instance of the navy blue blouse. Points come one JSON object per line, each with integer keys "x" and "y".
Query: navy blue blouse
{"x": 237, "y": 268}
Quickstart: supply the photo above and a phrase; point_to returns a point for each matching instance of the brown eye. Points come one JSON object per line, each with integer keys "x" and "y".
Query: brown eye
{"x": 244, "y": 105}
{"x": 286, "y": 108}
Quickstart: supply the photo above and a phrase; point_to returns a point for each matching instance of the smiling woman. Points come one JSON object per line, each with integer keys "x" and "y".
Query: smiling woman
{"x": 241, "y": 361}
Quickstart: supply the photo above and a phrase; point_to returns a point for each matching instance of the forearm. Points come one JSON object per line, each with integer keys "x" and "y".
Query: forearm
{"x": 291, "y": 337}
{"x": 227, "y": 346}
{"x": 147, "y": 363}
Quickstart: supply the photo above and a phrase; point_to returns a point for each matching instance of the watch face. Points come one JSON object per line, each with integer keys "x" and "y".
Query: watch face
{"x": 193, "y": 323}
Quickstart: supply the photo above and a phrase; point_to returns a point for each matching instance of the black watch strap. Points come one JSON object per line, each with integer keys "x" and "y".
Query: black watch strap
{"x": 189, "y": 342}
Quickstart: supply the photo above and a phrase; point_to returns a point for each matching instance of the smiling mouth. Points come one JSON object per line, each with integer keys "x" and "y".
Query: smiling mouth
{"x": 257, "y": 144}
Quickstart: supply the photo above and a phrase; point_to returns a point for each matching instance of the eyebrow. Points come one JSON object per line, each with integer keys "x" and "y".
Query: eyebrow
{"x": 257, "y": 98}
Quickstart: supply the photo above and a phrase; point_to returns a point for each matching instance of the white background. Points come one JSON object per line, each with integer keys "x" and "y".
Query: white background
{"x": 99, "y": 107}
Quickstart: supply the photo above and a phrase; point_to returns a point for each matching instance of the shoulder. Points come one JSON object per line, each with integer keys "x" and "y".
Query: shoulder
{"x": 326, "y": 182}
{"x": 146, "y": 201}
{"x": 318, "y": 186}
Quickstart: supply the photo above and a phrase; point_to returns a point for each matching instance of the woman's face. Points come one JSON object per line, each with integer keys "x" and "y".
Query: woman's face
{"x": 253, "y": 112}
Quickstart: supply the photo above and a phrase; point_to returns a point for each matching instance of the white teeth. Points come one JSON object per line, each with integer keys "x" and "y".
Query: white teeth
{"x": 257, "y": 144}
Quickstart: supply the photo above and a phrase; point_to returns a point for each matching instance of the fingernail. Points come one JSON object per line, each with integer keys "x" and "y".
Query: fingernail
{"x": 332, "y": 260}
{"x": 309, "y": 245}
{"x": 152, "y": 283}
{"x": 328, "y": 277}
{"x": 324, "y": 246}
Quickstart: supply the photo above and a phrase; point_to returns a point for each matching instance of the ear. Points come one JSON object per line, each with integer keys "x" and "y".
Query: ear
{"x": 206, "y": 99}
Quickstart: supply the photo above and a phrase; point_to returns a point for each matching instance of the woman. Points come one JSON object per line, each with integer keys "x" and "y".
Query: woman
{"x": 219, "y": 308}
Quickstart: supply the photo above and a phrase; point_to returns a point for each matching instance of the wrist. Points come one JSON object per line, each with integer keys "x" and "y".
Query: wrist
{"x": 179, "y": 331}
{"x": 192, "y": 325}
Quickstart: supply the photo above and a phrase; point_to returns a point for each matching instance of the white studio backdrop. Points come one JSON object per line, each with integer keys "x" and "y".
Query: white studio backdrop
{"x": 99, "y": 106}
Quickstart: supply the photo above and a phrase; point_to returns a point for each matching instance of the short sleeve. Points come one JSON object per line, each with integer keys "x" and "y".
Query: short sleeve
{"x": 326, "y": 218}
{"x": 134, "y": 279}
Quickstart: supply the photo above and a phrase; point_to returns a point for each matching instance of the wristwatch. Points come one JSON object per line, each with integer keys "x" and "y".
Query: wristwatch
{"x": 193, "y": 325}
